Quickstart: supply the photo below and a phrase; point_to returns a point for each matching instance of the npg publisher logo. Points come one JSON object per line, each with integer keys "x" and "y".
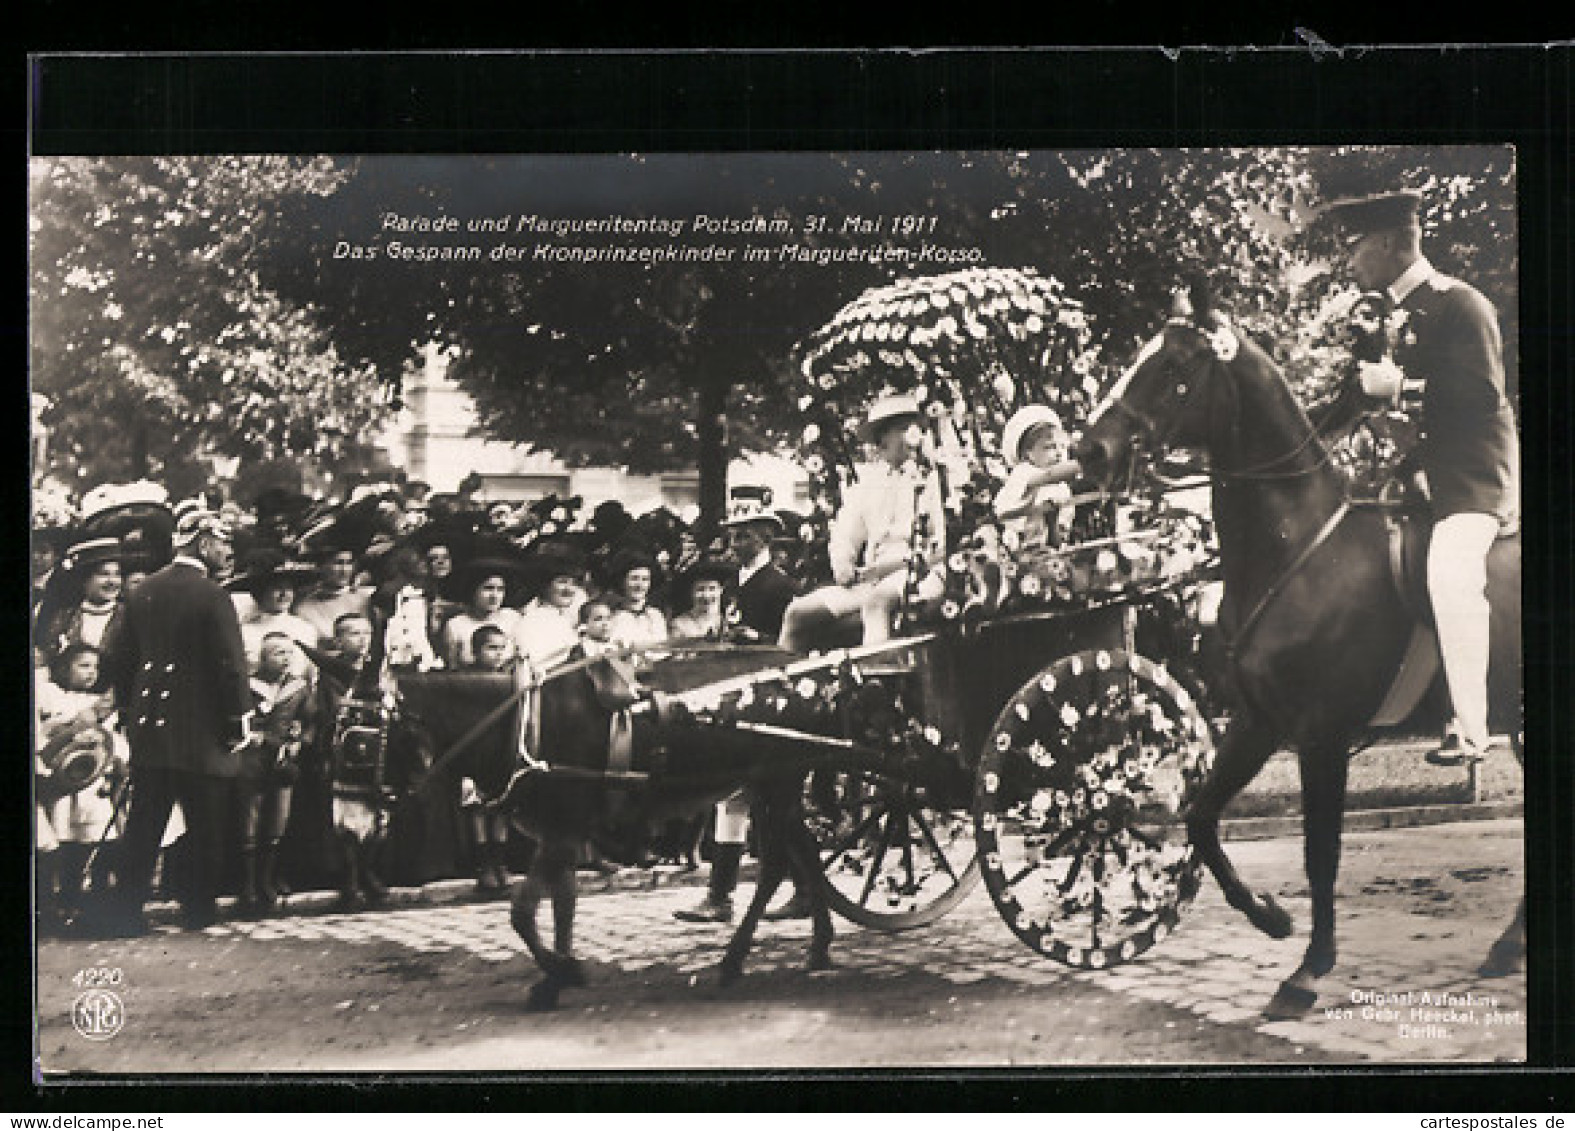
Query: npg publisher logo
{"x": 98, "y": 1014}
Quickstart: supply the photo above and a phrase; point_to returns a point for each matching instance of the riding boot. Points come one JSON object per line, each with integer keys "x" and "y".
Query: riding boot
{"x": 268, "y": 887}
{"x": 247, "y": 898}
{"x": 717, "y": 906}
{"x": 281, "y": 886}
{"x": 486, "y": 873}
{"x": 500, "y": 871}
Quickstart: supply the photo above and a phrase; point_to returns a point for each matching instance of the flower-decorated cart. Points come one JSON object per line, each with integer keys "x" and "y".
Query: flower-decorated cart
{"x": 1015, "y": 728}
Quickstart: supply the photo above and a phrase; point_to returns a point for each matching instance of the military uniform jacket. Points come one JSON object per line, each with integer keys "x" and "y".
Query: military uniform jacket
{"x": 178, "y": 669}
{"x": 1469, "y": 449}
{"x": 763, "y": 599}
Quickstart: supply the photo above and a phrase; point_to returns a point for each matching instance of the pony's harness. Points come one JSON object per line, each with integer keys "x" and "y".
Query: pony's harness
{"x": 1224, "y": 345}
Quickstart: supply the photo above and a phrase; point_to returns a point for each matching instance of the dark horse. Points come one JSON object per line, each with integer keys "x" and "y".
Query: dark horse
{"x": 1315, "y": 627}
{"x": 674, "y": 766}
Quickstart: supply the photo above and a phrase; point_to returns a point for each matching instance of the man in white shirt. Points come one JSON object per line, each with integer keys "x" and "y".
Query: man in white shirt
{"x": 890, "y": 515}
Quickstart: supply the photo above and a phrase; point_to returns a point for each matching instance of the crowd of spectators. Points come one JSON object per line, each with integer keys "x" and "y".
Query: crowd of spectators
{"x": 420, "y": 582}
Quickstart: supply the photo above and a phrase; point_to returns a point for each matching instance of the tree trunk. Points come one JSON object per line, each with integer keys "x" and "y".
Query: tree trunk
{"x": 713, "y": 456}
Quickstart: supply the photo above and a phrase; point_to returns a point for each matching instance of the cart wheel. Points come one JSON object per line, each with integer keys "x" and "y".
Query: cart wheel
{"x": 892, "y": 857}
{"x": 1078, "y": 805}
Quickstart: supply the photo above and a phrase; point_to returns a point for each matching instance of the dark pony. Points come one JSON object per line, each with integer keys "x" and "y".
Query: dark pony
{"x": 581, "y": 791}
{"x": 1315, "y": 626}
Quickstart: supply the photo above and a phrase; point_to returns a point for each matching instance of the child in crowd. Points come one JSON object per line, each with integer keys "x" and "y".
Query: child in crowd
{"x": 494, "y": 652}
{"x": 352, "y": 740}
{"x": 492, "y": 648}
{"x": 79, "y": 762}
{"x": 269, "y": 765}
{"x": 596, "y": 627}
{"x": 1030, "y": 502}
{"x": 617, "y": 689}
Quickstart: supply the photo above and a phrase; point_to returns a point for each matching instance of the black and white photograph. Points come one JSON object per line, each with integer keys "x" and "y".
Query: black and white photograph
{"x": 842, "y": 609}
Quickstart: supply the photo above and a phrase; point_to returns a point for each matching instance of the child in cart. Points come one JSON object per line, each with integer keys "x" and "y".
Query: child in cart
{"x": 1033, "y": 503}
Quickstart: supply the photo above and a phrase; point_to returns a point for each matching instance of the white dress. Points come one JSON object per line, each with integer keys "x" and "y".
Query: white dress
{"x": 546, "y": 633}
{"x": 631, "y": 629}
{"x": 81, "y": 817}
{"x": 1032, "y": 528}
{"x": 460, "y": 628}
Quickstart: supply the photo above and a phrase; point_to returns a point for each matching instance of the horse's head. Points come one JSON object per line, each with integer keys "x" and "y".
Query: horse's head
{"x": 1168, "y": 397}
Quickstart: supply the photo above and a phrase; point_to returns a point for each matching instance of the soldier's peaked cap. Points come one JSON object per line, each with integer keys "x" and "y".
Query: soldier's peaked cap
{"x": 1380, "y": 212}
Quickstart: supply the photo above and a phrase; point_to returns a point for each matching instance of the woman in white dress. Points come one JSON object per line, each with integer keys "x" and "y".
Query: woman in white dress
{"x": 549, "y": 625}
{"x": 484, "y": 587}
{"x": 636, "y": 621}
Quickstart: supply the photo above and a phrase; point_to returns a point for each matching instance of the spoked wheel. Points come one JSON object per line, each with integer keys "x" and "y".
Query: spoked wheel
{"x": 1078, "y": 803}
{"x": 892, "y": 857}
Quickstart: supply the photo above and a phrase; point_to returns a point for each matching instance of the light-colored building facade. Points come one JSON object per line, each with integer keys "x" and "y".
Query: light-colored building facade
{"x": 435, "y": 438}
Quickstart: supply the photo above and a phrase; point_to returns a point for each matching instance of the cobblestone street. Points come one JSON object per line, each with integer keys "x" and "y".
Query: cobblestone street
{"x": 441, "y": 987}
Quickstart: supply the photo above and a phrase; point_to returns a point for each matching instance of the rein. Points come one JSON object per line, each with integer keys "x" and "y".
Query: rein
{"x": 1188, "y": 385}
{"x": 523, "y": 688}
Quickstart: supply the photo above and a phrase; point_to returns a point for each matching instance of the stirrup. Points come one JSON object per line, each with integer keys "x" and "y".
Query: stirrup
{"x": 1455, "y": 751}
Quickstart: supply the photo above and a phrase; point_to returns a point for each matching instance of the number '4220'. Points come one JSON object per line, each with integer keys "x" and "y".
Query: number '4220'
{"x": 94, "y": 977}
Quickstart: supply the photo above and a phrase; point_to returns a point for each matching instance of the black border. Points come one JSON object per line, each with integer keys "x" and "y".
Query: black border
{"x": 574, "y": 101}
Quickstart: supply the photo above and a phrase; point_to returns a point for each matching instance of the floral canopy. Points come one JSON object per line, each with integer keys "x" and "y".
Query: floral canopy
{"x": 972, "y": 346}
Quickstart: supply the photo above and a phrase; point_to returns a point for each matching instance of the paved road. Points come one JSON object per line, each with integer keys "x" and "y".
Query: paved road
{"x": 442, "y": 987}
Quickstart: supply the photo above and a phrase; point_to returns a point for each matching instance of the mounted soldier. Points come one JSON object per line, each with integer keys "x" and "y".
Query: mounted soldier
{"x": 1447, "y": 368}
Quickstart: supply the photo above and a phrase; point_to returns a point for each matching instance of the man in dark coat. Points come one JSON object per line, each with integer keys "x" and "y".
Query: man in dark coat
{"x": 762, "y": 595}
{"x": 1448, "y": 368}
{"x": 764, "y": 591}
{"x": 178, "y": 669}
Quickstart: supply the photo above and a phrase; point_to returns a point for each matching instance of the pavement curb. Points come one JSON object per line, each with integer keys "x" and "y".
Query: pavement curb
{"x": 1372, "y": 820}
{"x": 460, "y": 891}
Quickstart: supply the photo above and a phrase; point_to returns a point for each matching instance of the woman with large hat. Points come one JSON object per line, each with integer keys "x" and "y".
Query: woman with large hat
{"x": 891, "y": 515}
{"x": 637, "y": 621}
{"x": 703, "y": 585}
{"x": 81, "y": 598}
{"x": 271, "y": 581}
{"x": 549, "y": 625}
{"x": 336, "y": 549}
{"x": 485, "y": 584}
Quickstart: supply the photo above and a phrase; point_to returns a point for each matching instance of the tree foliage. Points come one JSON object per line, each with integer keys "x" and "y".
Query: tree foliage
{"x": 185, "y": 308}
{"x": 155, "y": 338}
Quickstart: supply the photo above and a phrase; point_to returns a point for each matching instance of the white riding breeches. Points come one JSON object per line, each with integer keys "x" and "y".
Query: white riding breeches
{"x": 732, "y": 819}
{"x": 1457, "y": 584}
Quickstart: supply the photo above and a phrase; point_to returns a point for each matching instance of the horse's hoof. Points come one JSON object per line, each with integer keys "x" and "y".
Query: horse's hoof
{"x": 1503, "y": 961}
{"x": 1290, "y": 1002}
{"x": 564, "y": 969}
{"x": 1270, "y": 918}
{"x": 543, "y": 996}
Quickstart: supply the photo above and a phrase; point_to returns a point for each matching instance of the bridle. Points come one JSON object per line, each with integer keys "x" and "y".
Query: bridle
{"x": 1212, "y": 360}
{"x": 1208, "y": 362}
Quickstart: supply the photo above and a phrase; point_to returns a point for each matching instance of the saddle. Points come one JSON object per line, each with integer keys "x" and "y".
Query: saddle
{"x": 1409, "y": 532}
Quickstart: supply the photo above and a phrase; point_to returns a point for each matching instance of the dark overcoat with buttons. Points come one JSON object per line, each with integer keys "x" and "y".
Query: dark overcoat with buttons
{"x": 1451, "y": 346}
{"x": 764, "y": 598}
{"x": 179, "y": 673}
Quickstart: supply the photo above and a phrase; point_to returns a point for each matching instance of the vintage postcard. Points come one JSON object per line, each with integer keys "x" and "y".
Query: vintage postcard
{"x": 771, "y": 610}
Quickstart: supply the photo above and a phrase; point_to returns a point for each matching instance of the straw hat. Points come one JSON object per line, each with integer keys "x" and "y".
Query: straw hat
{"x": 887, "y": 409}
{"x": 1022, "y": 422}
